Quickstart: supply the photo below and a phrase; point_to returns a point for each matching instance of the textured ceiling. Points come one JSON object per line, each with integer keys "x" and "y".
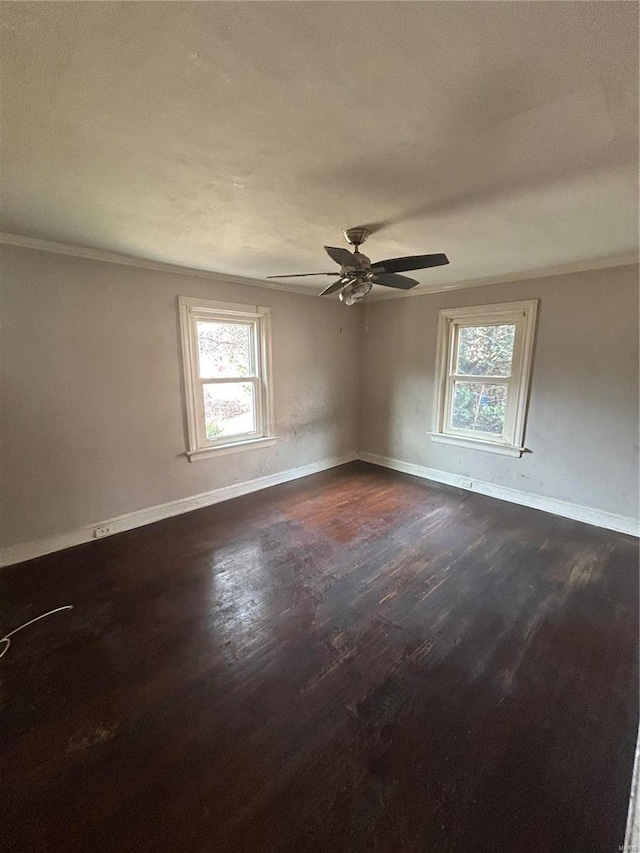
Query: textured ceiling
{"x": 242, "y": 137}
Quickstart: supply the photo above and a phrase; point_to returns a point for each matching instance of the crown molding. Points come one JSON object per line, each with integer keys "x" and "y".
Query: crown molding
{"x": 621, "y": 260}
{"x": 130, "y": 261}
{"x": 105, "y": 256}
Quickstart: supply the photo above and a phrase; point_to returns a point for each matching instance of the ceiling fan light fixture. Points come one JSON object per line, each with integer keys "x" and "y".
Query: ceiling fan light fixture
{"x": 353, "y": 293}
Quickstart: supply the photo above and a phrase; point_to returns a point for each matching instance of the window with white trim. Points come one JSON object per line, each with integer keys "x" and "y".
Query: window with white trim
{"x": 482, "y": 376}
{"x": 227, "y": 371}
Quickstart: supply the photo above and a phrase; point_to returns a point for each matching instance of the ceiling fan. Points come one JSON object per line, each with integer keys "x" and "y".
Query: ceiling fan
{"x": 358, "y": 275}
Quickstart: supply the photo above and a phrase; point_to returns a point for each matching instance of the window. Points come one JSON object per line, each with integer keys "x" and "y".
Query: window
{"x": 227, "y": 364}
{"x": 482, "y": 381}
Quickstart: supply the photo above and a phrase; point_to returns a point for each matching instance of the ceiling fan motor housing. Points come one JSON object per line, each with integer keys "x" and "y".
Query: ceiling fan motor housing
{"x": 360, "y": 264}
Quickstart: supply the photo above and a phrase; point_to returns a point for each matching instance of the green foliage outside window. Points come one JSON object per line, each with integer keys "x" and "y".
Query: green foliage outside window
{"x": 483, "y": 351}
{"x": 479, "y": 407}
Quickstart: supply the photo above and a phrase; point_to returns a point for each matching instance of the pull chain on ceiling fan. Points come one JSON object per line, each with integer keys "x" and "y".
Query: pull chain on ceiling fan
{"x": 358, "y": 275}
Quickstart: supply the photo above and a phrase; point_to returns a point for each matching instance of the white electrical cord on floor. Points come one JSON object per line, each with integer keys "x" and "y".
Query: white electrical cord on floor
{"x": 6, "y": 639}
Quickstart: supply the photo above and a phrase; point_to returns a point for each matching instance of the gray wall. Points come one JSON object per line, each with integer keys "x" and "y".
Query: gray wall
{"x": 92, "y": 422}
{"x": 582, "y": 428}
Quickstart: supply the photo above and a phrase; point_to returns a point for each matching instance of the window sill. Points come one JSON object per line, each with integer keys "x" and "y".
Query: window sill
{"x": 477, "y": 444}
{"x": 233, "y": 447}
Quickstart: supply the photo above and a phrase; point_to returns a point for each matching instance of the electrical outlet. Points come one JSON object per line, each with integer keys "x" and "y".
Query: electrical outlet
{"x": 99, "y": 532}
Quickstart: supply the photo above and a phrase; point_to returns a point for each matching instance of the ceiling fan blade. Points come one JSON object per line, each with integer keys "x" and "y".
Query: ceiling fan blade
{"x": 333, "y": 287}
{"x": 340, "y": 256}
{"x": 302, "y": 274}
{"x": 414, "y": 262}
{"x": 393, "y": 280}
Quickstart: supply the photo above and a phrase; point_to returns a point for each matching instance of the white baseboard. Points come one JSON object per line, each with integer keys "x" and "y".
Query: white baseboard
{"x": 577, "y": 512}
{"x": 40, "y": 547}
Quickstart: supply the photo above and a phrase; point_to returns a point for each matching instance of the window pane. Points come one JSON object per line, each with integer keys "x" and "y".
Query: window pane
{"x": 224, "y": 349}
{"x": 229, "y": 409}
{"x": 485, "y": 350}
{"x": 479, "y": 407}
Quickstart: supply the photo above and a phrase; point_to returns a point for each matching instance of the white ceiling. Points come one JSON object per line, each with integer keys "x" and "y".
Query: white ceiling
{"x": 241, "y": 137}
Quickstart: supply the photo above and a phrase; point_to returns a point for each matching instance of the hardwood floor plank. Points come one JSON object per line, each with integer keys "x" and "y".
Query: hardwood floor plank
{"x": 356, "y": 661}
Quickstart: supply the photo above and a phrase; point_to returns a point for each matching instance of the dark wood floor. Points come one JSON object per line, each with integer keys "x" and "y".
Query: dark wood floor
{"x": 357, "y": 661}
